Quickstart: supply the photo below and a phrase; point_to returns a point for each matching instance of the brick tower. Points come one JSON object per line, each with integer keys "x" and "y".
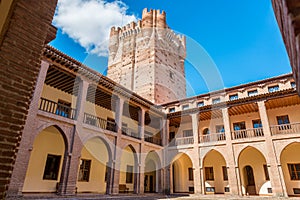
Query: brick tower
{"x": 147, "y": 57}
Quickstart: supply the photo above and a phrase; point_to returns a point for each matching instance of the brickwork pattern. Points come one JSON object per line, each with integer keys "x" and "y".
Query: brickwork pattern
{"x": 20, "y": 52}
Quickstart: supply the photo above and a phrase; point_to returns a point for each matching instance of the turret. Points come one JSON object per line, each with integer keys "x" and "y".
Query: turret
{"x": 153, "y": 18}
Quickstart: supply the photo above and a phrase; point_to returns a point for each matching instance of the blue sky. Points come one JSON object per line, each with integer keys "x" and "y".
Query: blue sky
{"x": 235, "y": 42}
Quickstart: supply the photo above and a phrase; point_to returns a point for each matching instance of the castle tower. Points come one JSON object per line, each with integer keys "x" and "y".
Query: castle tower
{"x": 147, "y": 57}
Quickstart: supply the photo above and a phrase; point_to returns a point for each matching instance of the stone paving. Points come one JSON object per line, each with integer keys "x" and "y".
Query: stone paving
{"x": 145, "y": 197}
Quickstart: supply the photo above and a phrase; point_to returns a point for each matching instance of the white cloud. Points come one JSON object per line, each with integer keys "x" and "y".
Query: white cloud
{"x": 88, "y": 22}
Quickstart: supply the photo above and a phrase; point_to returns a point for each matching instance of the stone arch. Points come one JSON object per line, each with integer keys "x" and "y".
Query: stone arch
{"x": 95, "y": 166}
{"x": 240, "y": 150}
{"x": 182, "y": 178}
{"x": 253, "y": 171}
{"x": 129, "y": 170}
{"x": 45, "y": 167}
{"x": 290, "y": 164}
{"x": 215, "y": 172}
{"x": 152, "y": 173}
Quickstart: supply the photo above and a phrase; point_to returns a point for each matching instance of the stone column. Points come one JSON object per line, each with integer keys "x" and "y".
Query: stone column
{"x": 117, "y": 150}
{"x": 23, "y": 156}
{"x": 142, "y": 123}
{"x": 235, "y": 187}
{"x": 202, "y": 180}
{"x": 276, "y": 183}
{"x": 68, "y": 180}
{"x": 142, "y": 157}
{"x": 196, "y": 155}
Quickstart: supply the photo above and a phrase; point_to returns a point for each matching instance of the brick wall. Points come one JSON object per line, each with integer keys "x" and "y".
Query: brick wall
{"x": 27, "y": 29}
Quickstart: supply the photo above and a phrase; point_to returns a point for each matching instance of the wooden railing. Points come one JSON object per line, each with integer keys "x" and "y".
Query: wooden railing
{"x": 57, "y": 109}
{"x": 130, "y": 132}
{"x": 99, "y": 122}
{"x": 153, "y": 140}
{"x": 285, "y": 128}
{"x": 212, "y": 137}
{"x": 247, "y": 133}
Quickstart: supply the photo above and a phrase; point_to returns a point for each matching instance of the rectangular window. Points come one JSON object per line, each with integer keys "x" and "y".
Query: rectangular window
{"x": 200, "y": 104}
{"x": 171, "y": 110}
{"x": 239, "y": 126}
{"x": 187, "y": 133}
{"x": 257, "y": 123}
{"x": 84, "y": 170}
{"x": 209, "y": 173}
{"x": 216, "y": 100}
{"x": 252, "y": 93}
{"x": 233, "y": 97}
{"x": 185, "y": 107}
{"x": 266, "y": 173}
{"x": 225, "y": 174}
{"x": 171, "y": 136}
{"x": 129, "y": 174}
{"x": 111, "y": 124}
{"x": 220, "y": 129}
{"x": 294, "y": 170}
{"x": 273, "y": 88}
{"x": 63, "y": 108}
{"x": 191, "y": 174}
{"x": 226, "y": 189}
{"x": 293, "y": 84}
{"x": 52, "y": 167}
{"x": 284, "y": 119}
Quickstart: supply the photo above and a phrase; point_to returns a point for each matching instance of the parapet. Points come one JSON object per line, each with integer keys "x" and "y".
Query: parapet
{"x": 153, "y": 18}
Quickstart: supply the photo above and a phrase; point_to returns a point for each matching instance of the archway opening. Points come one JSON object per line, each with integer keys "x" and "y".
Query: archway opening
{"x": 94, "y": 166}
{"x": 290, "y": 163}
{"x": 46, "y": 160}
{"x": 152, "y": 173}
{"x": 128, "y": 171}
{"x": 215, "y": 173}
{"x": 254, "y": 172}
{"x": 182, "y": 174}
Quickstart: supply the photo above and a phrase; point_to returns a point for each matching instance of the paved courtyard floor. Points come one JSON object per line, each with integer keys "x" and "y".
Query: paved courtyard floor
{"x": 145, "y": 197}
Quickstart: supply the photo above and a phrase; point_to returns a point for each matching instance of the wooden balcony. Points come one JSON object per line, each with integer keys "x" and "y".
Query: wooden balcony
{"x": 130, "y": 132}
{"x": 57, "y": 109}
{"x": 99, "y": 122}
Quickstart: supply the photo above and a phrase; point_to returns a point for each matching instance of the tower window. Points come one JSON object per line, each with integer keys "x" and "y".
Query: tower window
{"x": 216, "y": 100}
{"x": 171, "y": 110}
{"x": 293, "y": 84}
{"x": 233, "y": 97}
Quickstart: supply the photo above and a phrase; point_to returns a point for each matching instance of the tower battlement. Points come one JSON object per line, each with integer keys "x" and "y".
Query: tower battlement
{"x": 148, "y": 57}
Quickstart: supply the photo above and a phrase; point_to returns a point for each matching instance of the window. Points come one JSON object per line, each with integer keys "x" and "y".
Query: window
{"x": 273, "y": 88}
{"x": 266, "y": 173}
{"x": 63, "y": 108}
{"x": 225, "y": 174}
{"x": 206, "y": 131}
{"x": 110, "y": 124}
{"x": 84, "y": 170}
{"x": 220, "y": 129}
{"x": 171, "y": 110}
{"x": 191, "y": 174}
{"x": 209, "y": 173}
{"x": 226, "y": 189}
{"x": 129, "y": 174}
{"x": 52, "y": 167}
{"x": 252, "y": 93}
{"x": 187, "y": 133}
{"x": 233, "y": 97}
{"x": 294, "y": 170}
{"x": 185, "y": 107}
{"x": 216, "y": 100}
{"x": 239, "y": 126}
{"x": 293, "y": 84}
{"x": 171, "y": 136}
{"x": 200, "y": 104}
{"x": 283, "y": 119}
{"x": 257, "y": 123}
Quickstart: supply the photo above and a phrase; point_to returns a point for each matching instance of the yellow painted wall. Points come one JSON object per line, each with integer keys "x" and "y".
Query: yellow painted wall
{"x": 291, "y": 111}
{"x": 290, "y": 155}
{"x": 181, "y": 175}
{"x": 96, "y": 151}
{"x": 127, "y": 158}
{"x": 49, "y": 141}
{"x": 251, "y": 156}
{"x": 215, "y": 160}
